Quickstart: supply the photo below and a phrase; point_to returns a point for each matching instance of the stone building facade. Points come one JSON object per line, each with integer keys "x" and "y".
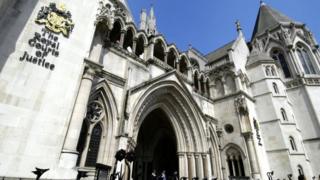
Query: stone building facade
{"x": 80, "y": 81}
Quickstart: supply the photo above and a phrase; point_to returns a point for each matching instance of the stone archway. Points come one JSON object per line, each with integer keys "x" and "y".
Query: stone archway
{"x": 156, "y": 147}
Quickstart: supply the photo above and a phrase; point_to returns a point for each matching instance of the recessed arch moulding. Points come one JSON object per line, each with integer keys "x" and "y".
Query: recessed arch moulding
{"x": 185, "y": 118}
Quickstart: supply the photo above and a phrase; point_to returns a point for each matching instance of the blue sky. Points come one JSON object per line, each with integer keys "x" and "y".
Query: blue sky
{"x": 209, "y": 24}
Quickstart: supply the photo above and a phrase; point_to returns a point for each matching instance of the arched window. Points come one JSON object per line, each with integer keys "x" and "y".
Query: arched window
{"x": 273, "y": 71}
{"x": 195, "y": 81}
{"x": 140, "y": 47}
{"x": 284, "y": 115}
{"x": 159, "y": 51}
{"x": 278, "y": 56}
{"x": 275, "y": 88}
{"x": 235, "y": 163}
{"x": 300, "y": 170}
{"x": 219, "y": 88}
{"x": 183, "y": 66}
{"x": 292, "y": 144}
{"x": 94, "y": 145}
{"x": 230, "y": 84}
{"x": 115, "y": 33}
{"x": 268, "y": 71}
{"x": 171, "y": 59}
{"x": 305, "y": 60}
{"x": 128, "y": 40}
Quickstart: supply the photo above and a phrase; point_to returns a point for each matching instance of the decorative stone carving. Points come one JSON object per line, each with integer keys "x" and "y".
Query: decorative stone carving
{"x": 94, "y": 112}
{"x": 56, "y": 19}
{"x": 241, "y": 105}
{"x": 107, "y": 12}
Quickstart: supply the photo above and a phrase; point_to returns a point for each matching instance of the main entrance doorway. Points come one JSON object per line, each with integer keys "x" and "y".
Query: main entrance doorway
{"x": 156, "y": 148}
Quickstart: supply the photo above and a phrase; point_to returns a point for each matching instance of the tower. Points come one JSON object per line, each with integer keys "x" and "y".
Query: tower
{"x": 285, "y": 61}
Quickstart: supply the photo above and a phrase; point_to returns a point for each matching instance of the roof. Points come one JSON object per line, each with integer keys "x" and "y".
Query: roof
{"x": 220, "y": 52}
{"x": 268, "y": 18}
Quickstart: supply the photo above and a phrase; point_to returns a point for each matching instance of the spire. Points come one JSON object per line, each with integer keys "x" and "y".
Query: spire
{"x": 148, "y": 22}
{"x": 152, "y": 23}
{"x": 143, "y": 19}
{"x": 268, "y": 18}
{"x": 239, "y": 29}
{"x": 152, "y": 12}
{"x": 262, "y": 3}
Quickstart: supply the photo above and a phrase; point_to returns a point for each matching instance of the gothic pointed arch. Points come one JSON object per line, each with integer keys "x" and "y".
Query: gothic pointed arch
{"x": 99, "y": 127}
{"x": 185, "y": 117}
{"x": 159, "y": 50}
{"x": 128, "y": 38}
{"x": 235, "y": 160}
{"x": 306, "y": 58}
{"x": 172, "y": 56}
{"x": 115, "y": 33}
{"x": 183, "y": 64}
{"x": 141, "y": 43}
{"x": 279, "y": 56}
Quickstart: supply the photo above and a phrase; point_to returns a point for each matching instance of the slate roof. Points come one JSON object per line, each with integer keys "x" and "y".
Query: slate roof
{"x": 268, "y": 18}
{"x": 220, "y": 52}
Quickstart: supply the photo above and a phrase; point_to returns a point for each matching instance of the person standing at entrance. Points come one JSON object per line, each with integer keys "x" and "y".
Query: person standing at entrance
{"x": 154, "y": 175}
{"x": 163, "y": 175}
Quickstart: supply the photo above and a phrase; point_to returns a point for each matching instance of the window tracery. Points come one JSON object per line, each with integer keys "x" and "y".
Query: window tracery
{"x": 279, "y": 56}
{"x": 305, "y": 60}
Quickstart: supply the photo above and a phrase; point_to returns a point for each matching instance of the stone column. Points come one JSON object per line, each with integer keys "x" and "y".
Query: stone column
{"x": 252, "y": 155}
{"x": 199, "y": 86}
{"x": 199, "y": 168}
{"x": 149, "y": 52}
{"x": 122, "y": 36}
{"x": 239, "y": 166}
{"x": 166, "y": 57}
{"x": 191, "y": 166}
{"x": 231, "y": 158}
{"x": 182, "y": 165}
{"x": 134, "y": 46}
{"x": 178, "y": 66}
{"x": 295, "y": 62}
{"x": 96, "y": 48}
{"x": 205, "y": 166}
{"x": 69, "y": 153}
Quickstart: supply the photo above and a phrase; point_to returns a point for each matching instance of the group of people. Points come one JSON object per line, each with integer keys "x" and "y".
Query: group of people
{"x": 163, "y": 176}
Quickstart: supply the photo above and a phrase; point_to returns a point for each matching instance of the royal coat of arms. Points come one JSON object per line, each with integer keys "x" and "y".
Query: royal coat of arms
{"x": 56, "y": 18}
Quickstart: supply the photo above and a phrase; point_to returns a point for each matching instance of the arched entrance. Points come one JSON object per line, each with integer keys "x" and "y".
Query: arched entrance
{"x": 156, "y": 147}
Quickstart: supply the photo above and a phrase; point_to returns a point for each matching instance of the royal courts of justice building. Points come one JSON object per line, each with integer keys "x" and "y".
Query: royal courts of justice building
{"x": 80, "y": 80}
